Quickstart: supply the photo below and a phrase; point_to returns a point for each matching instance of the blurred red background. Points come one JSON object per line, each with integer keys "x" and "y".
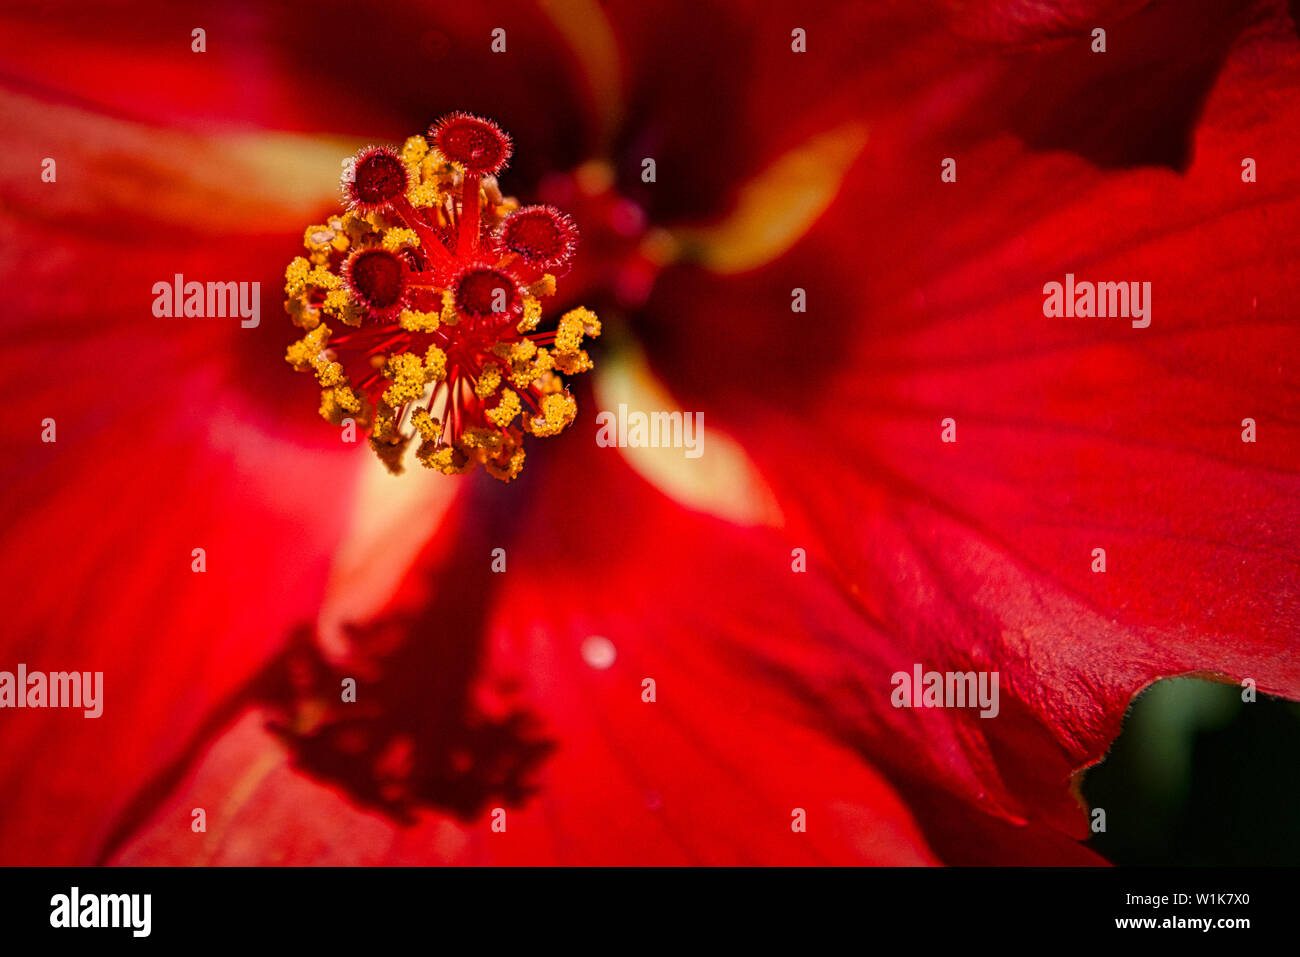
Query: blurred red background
{"x": 777, "y": 169}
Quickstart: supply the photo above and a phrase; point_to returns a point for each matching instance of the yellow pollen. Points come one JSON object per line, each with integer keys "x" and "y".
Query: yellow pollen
{"x": 543, "y": 287}
{"x": 384, "y": 428}
{"x": 357, "y": 228}
{"x": 295, "y": 276}
{"x": 330, "y": 409}
{"x": 407, "y": 372}
{"x": 569, "y": 358}
{"x": 449, "y": 314}
{"x": 322, "y": 278}
{"x": 525, "y": 374}
{"x": 338, "y": 402}
{"x": 428, "y": 427}
{"x": 330, "y": 374}
{"x": 395, "y": 239}
{"x": 568, "y": 337}
{"x": 444, "y": 458}
{"x": 321, "y": 241}
{"x": 558, "y": 410}
{"x": 532, "y": 315}
{"x": 484, "y": 440}
{"x": 414, "y": 150}
{"x": 304, "y": 354}
{"x": 489, "y": 381}
{"x": 413, "y": 321}
{"x": 513, "y": 465}
{"x": 506, "y": 409}
{"x": 435, "y": 365}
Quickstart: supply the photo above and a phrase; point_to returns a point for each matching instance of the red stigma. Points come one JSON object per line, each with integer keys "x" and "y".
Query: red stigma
{"x": 477, "y": 144}
{"x": 542, "y": 236}
{"x": 485, "y": 293}
{"x": 376, "y": 177}
{"x": 377, "y": 278}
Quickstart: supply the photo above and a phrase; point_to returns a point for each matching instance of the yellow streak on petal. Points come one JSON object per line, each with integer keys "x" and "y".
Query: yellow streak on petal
{"x": 587, "y": 31}
{"x": 240, "y": 792}
{"x": 723, "y": 481}
{"x": 780, "y": 204}
{"x": 109, "y": 167}
{"x": 393, "y": 517}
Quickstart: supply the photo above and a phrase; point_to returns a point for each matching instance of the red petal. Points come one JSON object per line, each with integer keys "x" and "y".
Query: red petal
{"x": 1137, "y": 101}
{"x": 1072, "y": 434}
{"x": 172, "y": 434}
{"x": 388, "y": 69}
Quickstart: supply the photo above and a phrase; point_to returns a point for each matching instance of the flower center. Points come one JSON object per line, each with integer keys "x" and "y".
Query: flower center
{"x": 436, "y": 280}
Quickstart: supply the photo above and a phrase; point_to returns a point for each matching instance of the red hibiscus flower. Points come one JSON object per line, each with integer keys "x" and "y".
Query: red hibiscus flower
{"x": 631, "y": 655}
